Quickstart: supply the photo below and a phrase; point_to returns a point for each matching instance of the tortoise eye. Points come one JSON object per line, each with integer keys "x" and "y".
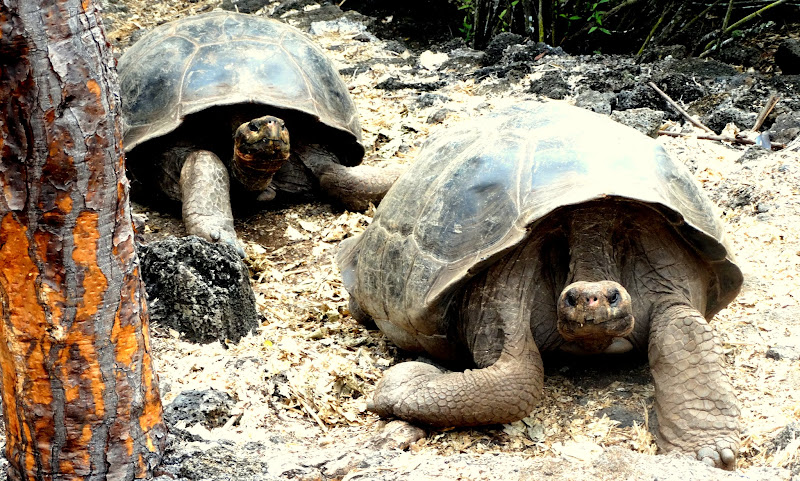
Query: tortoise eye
{"x": 253, "y": 127}
{"x": 614, "y": 298}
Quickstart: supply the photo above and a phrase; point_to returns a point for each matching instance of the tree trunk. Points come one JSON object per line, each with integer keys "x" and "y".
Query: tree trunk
{"x": 486, "y": 13}
{"x": 80, "y": 398}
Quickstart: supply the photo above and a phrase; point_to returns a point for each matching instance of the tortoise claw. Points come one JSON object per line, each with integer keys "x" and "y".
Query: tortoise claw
{"x": 717, "y": 456}
{"x": 217, "y": 236}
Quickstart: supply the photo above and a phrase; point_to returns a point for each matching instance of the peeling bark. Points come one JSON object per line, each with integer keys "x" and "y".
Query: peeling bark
{"x": 80, "y": 397}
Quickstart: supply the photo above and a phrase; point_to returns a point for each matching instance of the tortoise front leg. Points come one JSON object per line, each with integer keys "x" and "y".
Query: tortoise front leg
{"x": 205, "y": 194}
{"x": 504, "y": 392}
{"x": 694, "y": 399}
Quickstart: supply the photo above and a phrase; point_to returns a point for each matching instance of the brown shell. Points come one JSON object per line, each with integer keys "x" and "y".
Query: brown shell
{"x": 225, "y": 58}
{"x": 480, "y": 188}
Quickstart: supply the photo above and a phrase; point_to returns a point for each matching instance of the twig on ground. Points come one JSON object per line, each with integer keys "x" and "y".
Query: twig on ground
{"x": 721, "y": 138}
{"x": 771, "y": 102}
{"x": 677, "y": 107}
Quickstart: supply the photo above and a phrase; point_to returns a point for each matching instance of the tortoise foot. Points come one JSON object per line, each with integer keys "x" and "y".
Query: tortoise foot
{"x": 394, "y": 395}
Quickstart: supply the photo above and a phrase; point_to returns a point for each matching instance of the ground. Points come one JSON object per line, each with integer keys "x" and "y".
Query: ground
{"x": 292, "y": 396}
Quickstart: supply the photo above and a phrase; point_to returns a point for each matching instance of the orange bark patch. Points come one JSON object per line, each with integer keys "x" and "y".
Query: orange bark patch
{"x": 124, "y": 338}
{"x": 86, "y": 235}
{"x": 25, "y": 316}
{"x": 64, "y": 203}
{"x": 92, "y": 84}
{"x": 153, "y": 410}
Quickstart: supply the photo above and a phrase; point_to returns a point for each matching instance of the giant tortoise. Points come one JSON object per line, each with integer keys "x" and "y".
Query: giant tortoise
{"x": 231, "y": 86}
{"x": 545, "y": 227}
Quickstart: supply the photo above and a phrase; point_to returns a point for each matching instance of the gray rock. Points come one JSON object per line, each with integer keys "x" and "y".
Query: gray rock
{"x": 210, "y": 407}
{"x": 498, "y": 45}
{"x": 244, "y": 6}
{"x": 438, "y": 117}
{"x": 640, "y": 96}
{"x": 781, "y": 352}
{"x": 625, "y": 417}
{"x": 645, "y": 120}
{"x": 599, "y": 102}
{"x": 788, "y": 434}
{"x": 201, "y": 290}
{"x": 725, "y": 114}
{"x": 786, "y": 127}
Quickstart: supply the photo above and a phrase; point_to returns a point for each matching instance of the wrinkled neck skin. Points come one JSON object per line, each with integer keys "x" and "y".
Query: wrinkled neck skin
{"x": 249, "y": 175}
{"x": 593, "y": 259}
{"x": 592, "y": 256}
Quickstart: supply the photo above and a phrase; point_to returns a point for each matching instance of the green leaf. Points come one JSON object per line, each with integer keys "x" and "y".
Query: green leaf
{"x": 592, "y": 29}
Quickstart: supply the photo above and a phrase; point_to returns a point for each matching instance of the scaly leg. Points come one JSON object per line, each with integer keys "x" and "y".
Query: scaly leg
{"x": 505, "y": 391}
{"x": 205, "y": 193}
{"x": 695, "y": 403}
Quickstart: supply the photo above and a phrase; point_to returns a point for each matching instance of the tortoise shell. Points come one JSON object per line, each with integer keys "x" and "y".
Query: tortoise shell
{"x": 480, "y": 188}
{"x": 230, "y": 59}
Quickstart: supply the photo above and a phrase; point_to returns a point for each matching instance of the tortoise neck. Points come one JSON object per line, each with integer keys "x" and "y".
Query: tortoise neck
{"x": 254, "y": 176}
{"x": 591, "y": 240}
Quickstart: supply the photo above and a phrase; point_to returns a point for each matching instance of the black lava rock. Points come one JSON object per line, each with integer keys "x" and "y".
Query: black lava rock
{"x": 200, "y": 289}
{"x": 788, "y": 56}
{"x": 498, "y": 45}
{"x": 244, "y": 6}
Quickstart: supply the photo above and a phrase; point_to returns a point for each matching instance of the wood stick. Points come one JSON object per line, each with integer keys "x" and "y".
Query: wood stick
{"x": 677, "y": 107}
{"x": 721, "y": 138}
{"x": 771, "y": 102}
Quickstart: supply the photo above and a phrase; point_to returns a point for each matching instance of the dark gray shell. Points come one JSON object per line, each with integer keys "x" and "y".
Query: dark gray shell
{"x": 224, "y": 58}
{"x": 478, "y": 189}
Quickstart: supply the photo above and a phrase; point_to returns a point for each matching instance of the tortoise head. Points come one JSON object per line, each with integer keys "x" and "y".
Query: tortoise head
{"x": 260, "y": 148}
{"x": 592, "y": 315}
